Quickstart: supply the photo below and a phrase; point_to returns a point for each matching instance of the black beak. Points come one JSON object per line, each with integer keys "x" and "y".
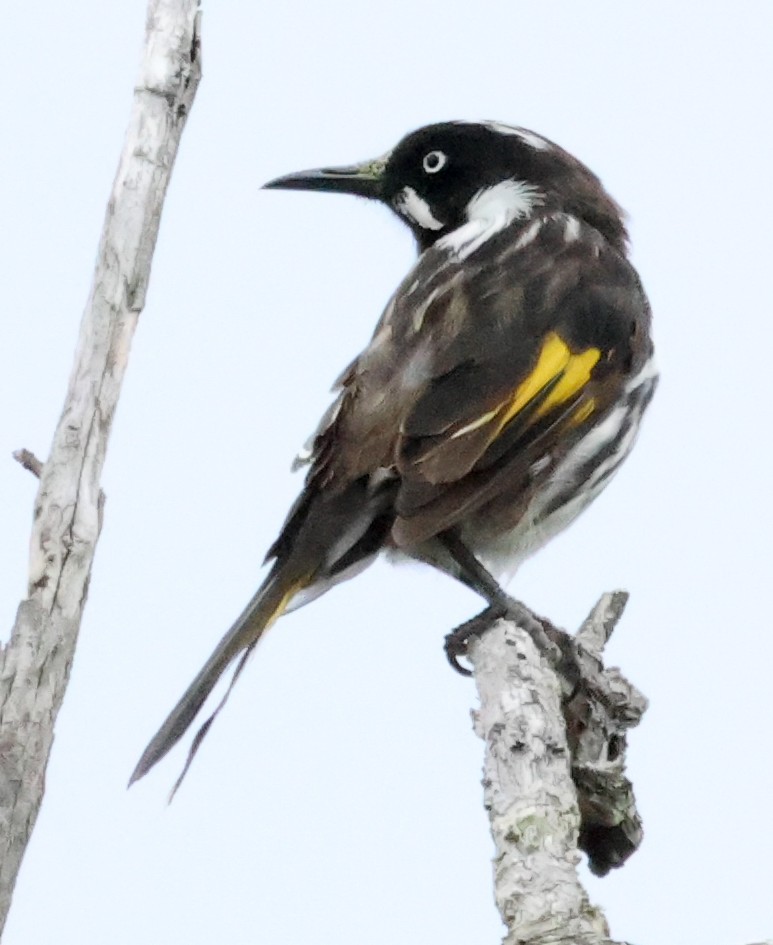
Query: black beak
{"x": 363, "y": 180}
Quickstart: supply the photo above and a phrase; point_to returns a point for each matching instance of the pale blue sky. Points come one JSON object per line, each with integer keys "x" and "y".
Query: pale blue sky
{"x": 337, "y": 799}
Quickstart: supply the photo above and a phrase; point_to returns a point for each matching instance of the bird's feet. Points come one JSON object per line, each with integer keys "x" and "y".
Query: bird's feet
{"x": 458, "y": 639}
{"x": 553, "y": 644}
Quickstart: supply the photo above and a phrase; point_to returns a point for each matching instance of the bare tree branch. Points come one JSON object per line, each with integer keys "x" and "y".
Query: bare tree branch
{"x": 554, "y": 774}
{"x": 35, "y": 664}
{"x": 29, "y": 461}
{"x": 536, "y": 739}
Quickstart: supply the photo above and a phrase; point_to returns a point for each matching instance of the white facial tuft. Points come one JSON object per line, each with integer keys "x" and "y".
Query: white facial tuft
{"x": 508, "y": 200}
{"x": 489, "y": 211}
{"x": 409, "y": 204}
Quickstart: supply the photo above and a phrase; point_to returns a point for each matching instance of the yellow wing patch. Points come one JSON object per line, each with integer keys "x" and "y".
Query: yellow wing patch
{"x": 574, "y": 377}
{"x": 583, "y": 412}
{"x": 569, "y": 372}
{"x": 553, "y": 360}
{"x": 556, "y": 364}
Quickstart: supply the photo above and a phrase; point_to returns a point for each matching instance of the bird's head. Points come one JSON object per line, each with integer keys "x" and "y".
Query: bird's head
{"x": 445, "y": 175}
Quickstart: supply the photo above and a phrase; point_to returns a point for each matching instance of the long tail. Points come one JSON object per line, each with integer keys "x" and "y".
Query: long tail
{"x": 327, "y": 538}
{"x": 269, "y": 603}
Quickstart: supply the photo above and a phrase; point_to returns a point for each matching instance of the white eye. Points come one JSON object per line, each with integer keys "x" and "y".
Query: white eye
{"x": 434, "y": 162}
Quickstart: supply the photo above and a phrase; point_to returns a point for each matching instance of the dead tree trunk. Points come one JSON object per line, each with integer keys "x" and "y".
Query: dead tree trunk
{"x": 35, "y": 664}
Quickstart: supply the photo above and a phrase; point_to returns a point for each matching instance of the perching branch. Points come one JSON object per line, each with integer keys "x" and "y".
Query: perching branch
{"x": 553, "y": 776}
{"x": 35, "y": 664}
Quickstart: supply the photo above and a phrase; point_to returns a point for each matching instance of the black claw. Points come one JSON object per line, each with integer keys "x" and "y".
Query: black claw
{"x": 554, "y": 644}
{"x": 455, "y": 648}
{"x": 458, "y": 640}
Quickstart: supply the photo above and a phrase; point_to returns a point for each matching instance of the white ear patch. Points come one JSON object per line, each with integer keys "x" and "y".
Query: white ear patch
{"x": 489, "y": 211}
{"x": 409, "y": 204}
{"x": 508, "y": 200}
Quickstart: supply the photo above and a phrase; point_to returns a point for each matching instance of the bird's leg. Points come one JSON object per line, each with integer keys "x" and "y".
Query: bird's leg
{"x": 477, "y": 578}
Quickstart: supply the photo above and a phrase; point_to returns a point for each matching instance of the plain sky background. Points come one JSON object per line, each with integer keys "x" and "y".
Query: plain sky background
{"x": 337, "y": 799}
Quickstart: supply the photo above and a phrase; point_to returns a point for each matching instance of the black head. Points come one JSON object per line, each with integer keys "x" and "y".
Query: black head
{"x": 443, "y": 176}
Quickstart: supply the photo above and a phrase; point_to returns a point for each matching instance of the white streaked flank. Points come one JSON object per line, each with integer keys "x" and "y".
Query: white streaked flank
{"x": 596, "y": 481}
{"x": 506, "y": 553}
{"x": 593, "y": 441}
{"x": 538, "y": 465}
{"x": 648, "y": 372}
{"x": 619, "y": 429}
{"x": 409, "y": 204}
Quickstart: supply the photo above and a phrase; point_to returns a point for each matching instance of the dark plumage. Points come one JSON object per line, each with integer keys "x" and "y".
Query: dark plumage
{"x": 502, "y": 387}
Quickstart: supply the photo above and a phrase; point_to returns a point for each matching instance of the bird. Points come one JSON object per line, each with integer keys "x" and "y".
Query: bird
{"x": 501, "y": 390}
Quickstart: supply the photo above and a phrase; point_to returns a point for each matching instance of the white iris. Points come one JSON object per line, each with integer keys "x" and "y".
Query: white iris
{"x": 434, "y": 162}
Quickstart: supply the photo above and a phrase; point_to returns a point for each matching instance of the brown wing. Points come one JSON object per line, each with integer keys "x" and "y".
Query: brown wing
{"x": 548, "y": 354}
{"x": 483, "y": 370}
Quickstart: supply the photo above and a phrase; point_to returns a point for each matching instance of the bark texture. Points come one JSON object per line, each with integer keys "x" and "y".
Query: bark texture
{"x": 554, "y": 772}
{"x": 540, "y": 728}
{"x": 35, "y": 664}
